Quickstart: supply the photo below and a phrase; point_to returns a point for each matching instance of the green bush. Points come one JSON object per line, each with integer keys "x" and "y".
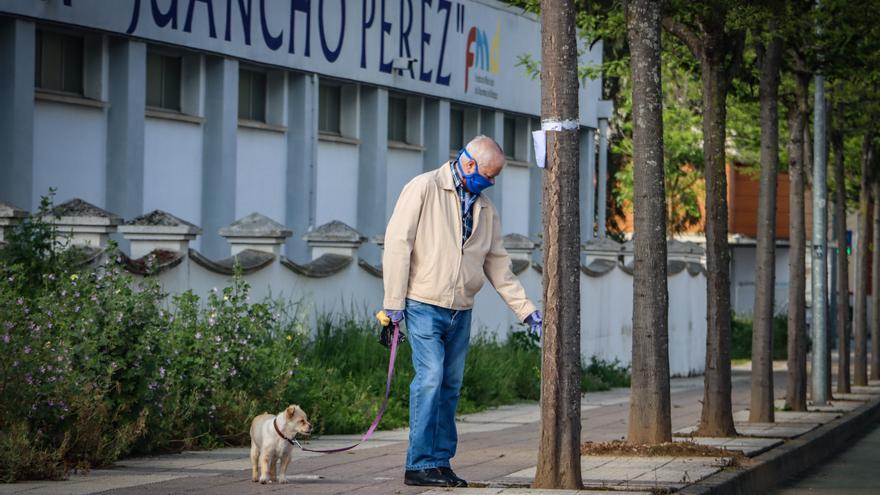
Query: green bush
{"x": 741, "y": 329}
{"x": 94, "y": 366}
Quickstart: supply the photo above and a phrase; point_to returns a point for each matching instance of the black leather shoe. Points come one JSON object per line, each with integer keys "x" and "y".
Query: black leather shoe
{"x": 449, "y": 473}
{"x": 427, "y": 477}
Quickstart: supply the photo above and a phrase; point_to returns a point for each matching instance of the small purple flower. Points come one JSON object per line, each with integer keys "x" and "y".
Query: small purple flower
{"x": 6, "y": 338}
{"x": 27, "y": 349}
{"x": 29, "y": 379}
{"x": 19, "y": 301}
{"x": 153, "y": 386}
{"x": 161, "y": 372}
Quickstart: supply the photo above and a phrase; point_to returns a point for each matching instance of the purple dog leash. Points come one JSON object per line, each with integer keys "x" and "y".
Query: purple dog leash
{"x": 376, "y": 421}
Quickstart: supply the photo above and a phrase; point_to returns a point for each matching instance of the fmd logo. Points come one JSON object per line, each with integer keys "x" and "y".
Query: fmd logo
{"x": 484, "y": 58}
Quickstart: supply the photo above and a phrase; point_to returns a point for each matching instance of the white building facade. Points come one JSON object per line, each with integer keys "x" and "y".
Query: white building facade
{"x": 305, "y": 111}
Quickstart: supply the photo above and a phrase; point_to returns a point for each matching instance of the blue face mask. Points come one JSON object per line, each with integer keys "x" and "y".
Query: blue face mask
{"x": 475, "y": 182}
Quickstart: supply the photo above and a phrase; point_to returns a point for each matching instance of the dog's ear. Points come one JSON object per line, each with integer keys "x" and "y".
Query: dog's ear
{"x": 291, "y": 410}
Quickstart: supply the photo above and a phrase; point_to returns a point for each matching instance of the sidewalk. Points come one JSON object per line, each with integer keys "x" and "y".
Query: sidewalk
{"x": 497, "y": 454}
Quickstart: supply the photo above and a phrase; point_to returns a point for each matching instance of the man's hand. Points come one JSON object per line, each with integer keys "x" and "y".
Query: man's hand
{"x": 389, "y": 316}
{"x": 535, "y": 321}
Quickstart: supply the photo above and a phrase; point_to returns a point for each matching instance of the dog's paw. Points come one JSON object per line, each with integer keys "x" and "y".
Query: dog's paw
{"x": 282, "y": 480}
{"x": 263, "y": 481}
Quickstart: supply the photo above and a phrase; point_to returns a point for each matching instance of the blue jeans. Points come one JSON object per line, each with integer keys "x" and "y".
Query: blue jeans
{"x": 439, "y": 339}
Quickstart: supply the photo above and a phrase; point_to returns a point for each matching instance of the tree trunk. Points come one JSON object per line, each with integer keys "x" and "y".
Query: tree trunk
{"x": 649, "y": 409}
{"x": 765, "y": 277}
{"x": 716, "y": 419}
{"x": 875, "y": 288}
{"x": 796, "y": 385}
{"x": 843, "y": 329}
{"x": 860, "y": 316}
{"x": 559, "y": 459}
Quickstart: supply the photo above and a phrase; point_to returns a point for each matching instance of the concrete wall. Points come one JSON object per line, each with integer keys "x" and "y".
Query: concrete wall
{"x": 173, "y": 168}
{"x": 337, "y": 175}
{"x": 262, "y": 166}
{"x": 69, "y": 152}
{"x": 742, "y": 279}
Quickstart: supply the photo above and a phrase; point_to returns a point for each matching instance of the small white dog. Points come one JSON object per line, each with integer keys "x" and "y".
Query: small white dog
{"x": 272, "y": 441}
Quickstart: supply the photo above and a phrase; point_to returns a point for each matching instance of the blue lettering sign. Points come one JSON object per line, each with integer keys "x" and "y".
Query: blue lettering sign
{"x": 273, "y": 42}
{"x": 162, "y": 18}
{"x": 331, "y": 55}
{"x": 135, "y": 15}
{"x": 245, "y": 13}
{"x": 304, "y": 6}
{"x": 386, "y": 29}
{"x": 366, "y": 24}
{"x": 404, "y": 33}
{"x": 425, "y": 41}
{"x": 187, "y": 26}
{"x": 441, "y": 6}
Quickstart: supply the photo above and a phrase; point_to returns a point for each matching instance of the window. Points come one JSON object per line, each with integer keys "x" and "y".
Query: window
{"x": 251, "y": 95}
{"x": 59, "y": 62}
{"x": 456, "y": 129}
{"x": 163, "y": 81}
{"x": 397, "y": 119}
{"x": 509, "y": 136}
{"x": 329, "y": 106}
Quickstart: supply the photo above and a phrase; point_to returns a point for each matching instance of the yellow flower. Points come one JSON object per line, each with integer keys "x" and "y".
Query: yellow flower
{"x": 289, "y": 337}
{"x": 74, "y": 276}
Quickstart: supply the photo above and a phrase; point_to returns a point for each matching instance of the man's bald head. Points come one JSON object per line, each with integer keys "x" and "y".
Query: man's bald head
{"x": 488, "y": 155}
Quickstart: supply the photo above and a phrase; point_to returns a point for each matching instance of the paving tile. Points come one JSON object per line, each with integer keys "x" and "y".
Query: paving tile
{"x": 832, "y": 406}
{"x": 749, "y": 446}
{"x": 774, "y": 430}
{"x": 524, "y": 491}
{"x": 791, "y": 416}
{"x": 870, "y": 389}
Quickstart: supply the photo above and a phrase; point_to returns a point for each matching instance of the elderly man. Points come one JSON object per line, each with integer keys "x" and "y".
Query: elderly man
{"x": 443, "y": 236}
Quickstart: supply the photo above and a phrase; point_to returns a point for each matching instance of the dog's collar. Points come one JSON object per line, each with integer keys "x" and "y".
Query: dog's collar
{"x": 278, "y": 430}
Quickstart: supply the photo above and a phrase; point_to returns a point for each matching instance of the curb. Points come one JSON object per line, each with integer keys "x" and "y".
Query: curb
{"x": 777, "y": 465}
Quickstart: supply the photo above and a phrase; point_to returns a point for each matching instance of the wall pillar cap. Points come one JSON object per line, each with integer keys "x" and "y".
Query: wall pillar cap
{"x": 334, "y": 238}
{"x": 9, "y": 215}
{"x": 603, "y": 247}
{"x": 87, "y": 224}
{"x": 519, "y": 246}
{"x": 255, "y": 231}
{"x": 684, "y": 251}
{"x": 158, "y": 230}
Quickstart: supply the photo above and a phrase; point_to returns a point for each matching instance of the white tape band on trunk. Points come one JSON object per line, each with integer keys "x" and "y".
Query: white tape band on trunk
{"x": 559, "y": 125}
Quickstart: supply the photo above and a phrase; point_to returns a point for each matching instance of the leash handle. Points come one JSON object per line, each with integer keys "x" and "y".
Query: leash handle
{"x": 369, "y": 433}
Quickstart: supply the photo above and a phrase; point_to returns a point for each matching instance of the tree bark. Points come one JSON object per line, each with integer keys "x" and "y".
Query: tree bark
{"x": 843, "y": 328}
{"x": 559, "y": 460}
{"x": 875, "y": 286}
{"x": 770, "y": 59}
{"x": 649, "y": 411}
{"x": 716, "y": 419}
{"x": 796, "y": 385}
{"x": 860, "y": 316}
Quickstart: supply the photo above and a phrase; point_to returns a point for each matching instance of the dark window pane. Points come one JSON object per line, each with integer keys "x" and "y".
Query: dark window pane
{"x": 73, "y": 64}
{"x": 397, "y": 119}
{"x": 329, "y": 104}
{"x": 154, "y": 80}
{"x": 244, "y": 94}
{"x": 509, "y": 137}
{"x": 456, "y": 129}
{"x": 171, "y": 83}
{"x": 258, "y": 96}
{"x": 59, "y": 62}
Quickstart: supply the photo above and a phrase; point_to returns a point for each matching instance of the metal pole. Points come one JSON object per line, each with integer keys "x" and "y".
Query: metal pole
{"x": 601, "y": 202}
{"x": 820, "y": 370}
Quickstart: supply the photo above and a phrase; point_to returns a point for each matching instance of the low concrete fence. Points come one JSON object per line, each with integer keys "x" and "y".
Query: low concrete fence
{"x": 336, "y": 280}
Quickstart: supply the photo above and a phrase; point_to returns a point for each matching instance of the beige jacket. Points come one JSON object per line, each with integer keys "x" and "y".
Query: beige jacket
{"x": 424, "y": 259}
